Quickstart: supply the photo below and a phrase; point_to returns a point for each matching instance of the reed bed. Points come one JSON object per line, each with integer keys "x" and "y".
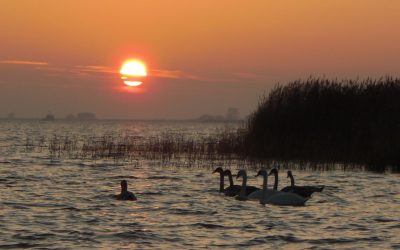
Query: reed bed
{"x": 165, "y": 148}
{"x": 168, "y": 149}
{"x": 353, "y": 122}
{"x": 307, "y": 124}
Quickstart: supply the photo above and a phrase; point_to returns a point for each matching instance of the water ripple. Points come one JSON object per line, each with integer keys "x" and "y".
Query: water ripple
{"x": 18, "y": 246}
{"x": 70, "y": 204}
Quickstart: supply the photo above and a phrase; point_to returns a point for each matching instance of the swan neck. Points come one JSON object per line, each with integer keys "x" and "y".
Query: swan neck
{"x": 265, "y": 182}
{"x": 230, "y": 179}
{"x": 291, "y": 180}
{"x": 244, "y": 180}
{"x": 243, "y": 189}
{"x": 276, "y": 180}
{"x": 221, "y": 182}
{"x": 264, "y": 190}
{"x": 124, "y": 188}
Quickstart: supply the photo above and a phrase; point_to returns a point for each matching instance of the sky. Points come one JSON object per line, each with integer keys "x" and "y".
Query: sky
{"x": 202, "y": 56}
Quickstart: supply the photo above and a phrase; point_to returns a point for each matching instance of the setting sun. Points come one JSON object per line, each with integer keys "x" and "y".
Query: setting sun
{"x": 153, "y": 103}
{"x": 132, "y": 72}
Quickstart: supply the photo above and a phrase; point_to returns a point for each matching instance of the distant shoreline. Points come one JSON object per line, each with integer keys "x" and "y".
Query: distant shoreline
{"x": 121, "y": 119}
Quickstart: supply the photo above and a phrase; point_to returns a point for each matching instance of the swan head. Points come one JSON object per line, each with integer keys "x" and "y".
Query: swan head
{"x": 262, "y": 172}
{"x": 218, "y": 170}
{"x": 241, "y": 173}
{"x": 227, "y": 172}
{"x": 124, "y": 186}
{"x": 273, "y": 171}
{"x": 289, "y": 173}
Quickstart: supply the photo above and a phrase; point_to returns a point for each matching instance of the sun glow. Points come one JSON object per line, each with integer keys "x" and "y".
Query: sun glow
{"x": 132, "y": 73}
{"x": 133, "y": 83}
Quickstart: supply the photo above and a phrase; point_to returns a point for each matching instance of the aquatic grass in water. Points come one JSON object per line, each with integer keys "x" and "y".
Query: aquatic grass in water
{"x": 167, "y": 147}
{"x": 314, "y": 123}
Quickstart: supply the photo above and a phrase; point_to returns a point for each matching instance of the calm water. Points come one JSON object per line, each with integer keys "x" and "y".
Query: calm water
{"x": 68, "y": 204}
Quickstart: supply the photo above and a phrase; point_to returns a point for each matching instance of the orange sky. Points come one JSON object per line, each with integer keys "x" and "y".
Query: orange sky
{"x": 202, "y": 56}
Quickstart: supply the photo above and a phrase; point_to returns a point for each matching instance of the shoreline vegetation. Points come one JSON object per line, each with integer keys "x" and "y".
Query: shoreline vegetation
{"x": 313, "y": 123}
{"x": 353, "y": 122}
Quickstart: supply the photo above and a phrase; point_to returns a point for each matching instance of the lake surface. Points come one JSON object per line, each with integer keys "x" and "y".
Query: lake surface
{"x": 66, "y": 203}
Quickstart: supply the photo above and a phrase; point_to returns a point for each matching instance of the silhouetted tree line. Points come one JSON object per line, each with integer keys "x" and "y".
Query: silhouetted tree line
{"x": 320, "y": 120}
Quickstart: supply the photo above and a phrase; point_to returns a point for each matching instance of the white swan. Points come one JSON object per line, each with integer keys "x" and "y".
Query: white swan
{"x": 244, "y": 190}
{"x": 275, "y": 197}
{"x": 257, "y": 195}
{"x": 303, "y": 191}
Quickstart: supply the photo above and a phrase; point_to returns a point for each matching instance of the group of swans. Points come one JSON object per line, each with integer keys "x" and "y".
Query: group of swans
{"x": 291, "y": 195}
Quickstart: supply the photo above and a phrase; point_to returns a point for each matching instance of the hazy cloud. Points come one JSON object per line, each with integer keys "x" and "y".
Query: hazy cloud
{"x": 159, "y": 73}
{"x": 107, "y": 71}
{"x": 173, "y": 74}
{"x": 23, "y": 62}
{"x": 96, "y": 69}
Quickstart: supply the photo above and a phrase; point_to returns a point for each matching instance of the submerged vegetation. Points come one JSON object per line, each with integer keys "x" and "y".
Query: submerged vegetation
{"x": 315, "y": 122}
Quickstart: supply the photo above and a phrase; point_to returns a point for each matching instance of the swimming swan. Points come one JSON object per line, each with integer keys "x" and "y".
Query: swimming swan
{"x": 257, "y": 195}
{"x": 221, "y": 178}
{"x": 244, "y": 190}
{"x": 304, "y": 191}
{"x": 125, "y": 194}
{"x": 232, "y": 190}
{"x": 275, "y": 197}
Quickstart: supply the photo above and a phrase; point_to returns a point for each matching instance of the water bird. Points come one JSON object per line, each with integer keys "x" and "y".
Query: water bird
{"x": 258, "y": 194}
{"x": 221, "y": 178}
{"x": 244, "y": 190}
{"x": 125, "y": 194}
{"x": 275, "y": 197}
{"x": 232, "y": 190}
{"x": 304, "y": 191}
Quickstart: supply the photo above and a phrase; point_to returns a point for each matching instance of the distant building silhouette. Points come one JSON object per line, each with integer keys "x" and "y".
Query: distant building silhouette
{"x": 49, "y": 117}
{"x": 86, "y": 116}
